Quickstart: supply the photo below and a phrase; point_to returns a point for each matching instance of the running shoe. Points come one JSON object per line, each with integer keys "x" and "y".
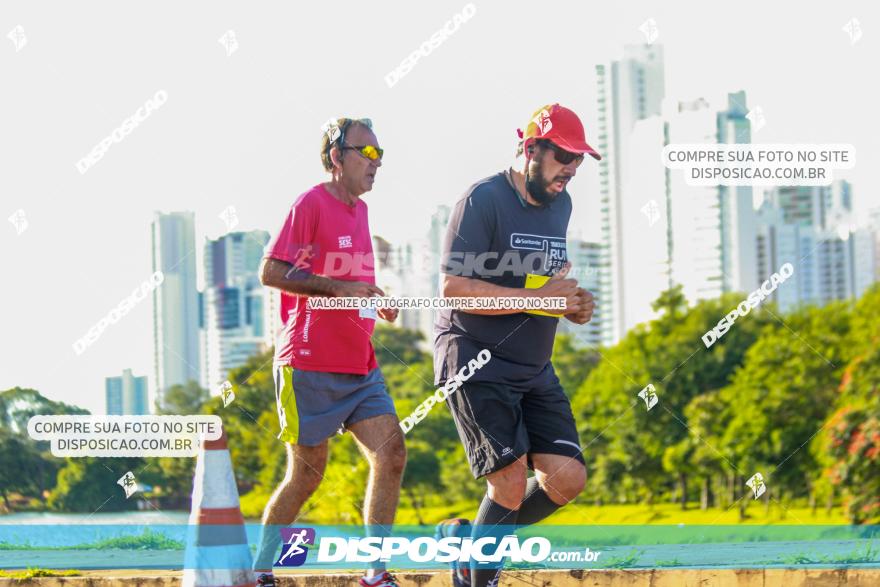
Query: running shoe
{"x": 460, "y": 528}
{"x": 387, "y": 580}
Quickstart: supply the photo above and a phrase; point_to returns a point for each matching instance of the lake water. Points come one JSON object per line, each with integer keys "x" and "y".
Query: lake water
{"x": 136, "y": 518}
{"x": 52, "y": 540}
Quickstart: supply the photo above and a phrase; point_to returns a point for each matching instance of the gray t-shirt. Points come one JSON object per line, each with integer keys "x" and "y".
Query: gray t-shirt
{"x": 496, "y": 236}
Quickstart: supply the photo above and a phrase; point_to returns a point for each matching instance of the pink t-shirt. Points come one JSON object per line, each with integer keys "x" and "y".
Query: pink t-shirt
{"x": 323, "y": 236}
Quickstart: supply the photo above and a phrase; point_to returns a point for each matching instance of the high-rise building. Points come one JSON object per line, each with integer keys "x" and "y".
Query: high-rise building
{"x": 236, "y": 306}
{"x": 412, "y": 269}
{"x": 824, "y": 207}
{"x": 737, "y": 217}
{"x": 439, "y": 222}
{"x": 175, "y": 302}
{"x": 629, "y": 91}
{"x": 810, "y": 228}
{"x": 712, "y": 228}
{"x": 874, "y": 229}
{"x": 126, "y": 395}
{"x": 866, "y": 262}
{"x": 657, "y": 230}
{"x": 778, "y": 243}
{"x": 585, "y": 258}
{"x": 400, "y": 272}
{"x": 695, "y": 225}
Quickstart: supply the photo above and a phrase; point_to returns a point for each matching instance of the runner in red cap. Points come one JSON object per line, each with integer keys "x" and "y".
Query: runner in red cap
{"x": 512, "y": 414}
{"x": 560, "y": 126}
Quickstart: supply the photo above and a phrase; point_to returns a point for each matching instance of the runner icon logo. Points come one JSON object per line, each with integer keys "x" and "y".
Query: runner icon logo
{"x": 128, "y": 483}
{"x": 295, "y": 547}
{"x": 542, "y": 120}
{"x": 756, "y": 483}
{"x": 649, "y": 395}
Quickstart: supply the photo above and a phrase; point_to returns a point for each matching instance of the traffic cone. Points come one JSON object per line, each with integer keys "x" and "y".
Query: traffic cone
{"x": 217, "y": 553}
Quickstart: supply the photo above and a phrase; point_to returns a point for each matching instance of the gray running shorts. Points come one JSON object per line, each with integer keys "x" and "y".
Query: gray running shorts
{"x": 313, "y": 405}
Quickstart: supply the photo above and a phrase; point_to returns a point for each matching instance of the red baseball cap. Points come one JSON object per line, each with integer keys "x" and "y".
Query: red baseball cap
{"x": 559, "y": 125}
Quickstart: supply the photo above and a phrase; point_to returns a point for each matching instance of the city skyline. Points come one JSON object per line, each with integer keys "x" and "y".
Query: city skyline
{"x": 210, "y": 147}
{"x": 800, "y": 218}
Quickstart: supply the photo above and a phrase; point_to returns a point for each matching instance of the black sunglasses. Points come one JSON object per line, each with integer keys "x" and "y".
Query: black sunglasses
{"x": 561, "y": 155}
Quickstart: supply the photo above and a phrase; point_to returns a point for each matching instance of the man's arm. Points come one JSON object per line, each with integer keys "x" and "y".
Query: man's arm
{"x": 455, "y": 286}
{"x": 284, "y": 276}
{"x": 470, "y": 230}
{"x": 586, "y": 312}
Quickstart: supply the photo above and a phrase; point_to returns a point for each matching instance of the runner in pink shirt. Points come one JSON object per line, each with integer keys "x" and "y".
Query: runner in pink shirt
{"x": 326, "y": 376}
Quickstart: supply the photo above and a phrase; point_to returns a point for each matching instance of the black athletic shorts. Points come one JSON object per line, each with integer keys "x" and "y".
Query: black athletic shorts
{"x": 498, "y": 423}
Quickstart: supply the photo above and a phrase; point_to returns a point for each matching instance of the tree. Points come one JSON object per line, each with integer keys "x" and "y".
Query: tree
{"x": 19, "y": 466}
{"x": 421, "y": 477}
{"x": 87, "y": 484}
{"x": 397, "y": 346}
{"x": 849, "y": 446}
{"x": 17, "y": 406}
{"x": 696, "y": 454}
{"x": 183, "y": 400}
{"x": 624, "y": 442}
{"x": 572, "y": 363}
{"x": 251, "y": 421}
{"x": 782, "y": 395}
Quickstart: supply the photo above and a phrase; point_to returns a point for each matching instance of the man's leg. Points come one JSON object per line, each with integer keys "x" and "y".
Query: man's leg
{"x": 305, "y": 469}
{"x": 381, "y": 441}
{"x": 490, "y": 424}
{"x": 558, "y": 480}
{"x": 555, "y": 452}
{"x": 505, "y": 491}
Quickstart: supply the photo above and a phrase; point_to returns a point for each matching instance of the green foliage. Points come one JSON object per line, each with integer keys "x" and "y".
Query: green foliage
{"x": 146, "y": 540}
{"x": 623, "y": 561}
{"x": 572, "y": 363}
{"x": 87, "y": 484}
{"x": 183, "y": 400}
{"x": 849, "y": 447}
{"x": 19, "y": 465}
{"x": 27, "y": 467}
{"x": 625, "y": 444}
{"x": 792, "y": 396}
{"x": 18, "y": 404}
{"x": 782, "y": 394}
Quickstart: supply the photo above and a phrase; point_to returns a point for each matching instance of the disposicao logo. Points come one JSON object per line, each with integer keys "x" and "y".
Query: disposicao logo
{"x": 295, "y": 547}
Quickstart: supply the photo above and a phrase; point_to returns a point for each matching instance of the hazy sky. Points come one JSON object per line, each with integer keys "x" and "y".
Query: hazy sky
{"x": 243, "y": 129}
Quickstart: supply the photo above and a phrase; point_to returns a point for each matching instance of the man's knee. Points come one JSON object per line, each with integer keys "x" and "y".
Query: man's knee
{"x": 566, "y": 483}
{"x": 308, "y": 479}
{"x": 507, "y": 486}
{"x": 306, "y": 467}
{"x": 391, "y": 458}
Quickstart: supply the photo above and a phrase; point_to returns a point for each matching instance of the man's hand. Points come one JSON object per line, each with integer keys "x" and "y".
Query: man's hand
{"x": 558, "y": 286}
{"x": 356, "y": 289}
{"x": 587, "y": 305}
{"x": 389, "y": 314}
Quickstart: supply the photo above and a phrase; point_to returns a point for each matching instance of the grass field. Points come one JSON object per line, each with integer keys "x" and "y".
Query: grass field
{"x": 642, "y": 514}
{"x": 37, "y": 572}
